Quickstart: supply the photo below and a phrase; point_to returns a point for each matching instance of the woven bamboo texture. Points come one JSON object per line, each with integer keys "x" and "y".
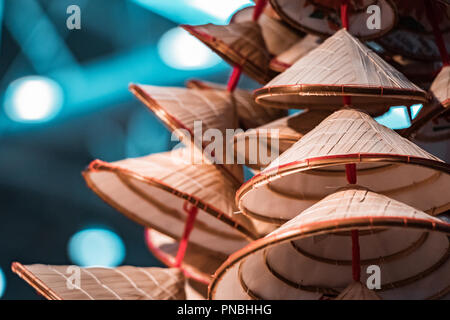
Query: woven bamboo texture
{"x": 291, "y": 55}
{"x": 179, "y": 108}
{"x": 198, "y": 263}
{"x": 249, "y": 113}
{"x": 310, "y": 257}
{"x": 152, "y": 190}
{"x": 122, "y": 283}
{"x": 239, "y": 44}
{"x": 314, "y": 17}
{"x": 357, "y": 291}
{"x": 340, "y": 66}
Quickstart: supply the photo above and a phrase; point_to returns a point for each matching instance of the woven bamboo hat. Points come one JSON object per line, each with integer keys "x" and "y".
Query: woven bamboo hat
{"x": 315, "y": 166}
{"x": 311, "y": 256}
{"x": 254, "y": 147}
{"x": 154, "y": 190}
{"x": 413, "y": 37}
{"x": 239, "y": 44}
{"x": 340, "y": 66}
{"x": 249, "y": 113}
{"x": 277, "y": 36}
{"x": 198, "y": 263}
{"x": 322, "y": 17}
{"x": 299, "y": 49}
{"x": 179, "y": 108}
{"x": 122, "y": 283}
{"x": 432, "y": 122}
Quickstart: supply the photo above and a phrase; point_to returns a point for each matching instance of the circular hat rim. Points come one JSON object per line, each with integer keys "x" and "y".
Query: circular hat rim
{"x": 325, "y": 161}
{"x": 231, "y": 56}
{"x": 98, "y": 165}
{"x": 322, "y": 90}
{"x": 323, "y": 227}
{"x": 303, "y": 28}
{"x": 174, "y": 125}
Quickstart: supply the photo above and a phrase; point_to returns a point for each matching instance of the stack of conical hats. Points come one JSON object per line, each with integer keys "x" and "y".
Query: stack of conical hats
{"x": 341, "y": 207}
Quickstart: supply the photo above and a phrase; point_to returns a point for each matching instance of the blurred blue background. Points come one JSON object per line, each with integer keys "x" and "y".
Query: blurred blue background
{"x": 64, "y": 102}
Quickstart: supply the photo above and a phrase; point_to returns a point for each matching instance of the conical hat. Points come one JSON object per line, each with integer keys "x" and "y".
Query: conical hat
{"x": 311, "y": 255}
{"x": 240, "y": 44}
{"x": 298, "y": 50}
{"x": 277, "y": 36}
{"x": 315, "y": 166}
{"x": 195, "y": 290}
{"x": 122, "y": 283}
{"x": 340, "y": 66}
{"x": 179, "y": 108}
{"x": 357, "y": 291}
{"x": 283, "y": 132}
{"x": 250, "y": 114}
{"x": 198, "y": 263}
{"x": 152, "y": 190}
{"x": 432, "y": 122}
{"x": 321, "y": 17}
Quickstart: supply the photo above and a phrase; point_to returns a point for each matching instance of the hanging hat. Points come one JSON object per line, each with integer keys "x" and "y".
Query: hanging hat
{"x": 97, "y": 283}
{"x": 323, "y": 18}
{"x": 196, "y": 290}
{"x": 254, "y": 147}
{"x": 315, "y": 166}
{"x": 288, "y": 57}
{"x": 179, "y": 108}
{"x": 413, "y": 37}
{"x": 155, "y": 190}
{"x": 277, "y": 36}
{"x": 432, "y": 124}
{"x": 340, "y": 66}
{"x": 239, "y": 44}
{"x": 198, "y": 263}
{"x": 357, "y": 291}
{"x": 249, "y": 113}
{"x": 311, "y": 256}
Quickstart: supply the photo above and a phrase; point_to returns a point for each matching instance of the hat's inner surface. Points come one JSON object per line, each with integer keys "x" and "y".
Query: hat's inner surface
{"x": 413, "y": 263}
{"x": 286, "y": 196}
{"x": 148, "y": 203}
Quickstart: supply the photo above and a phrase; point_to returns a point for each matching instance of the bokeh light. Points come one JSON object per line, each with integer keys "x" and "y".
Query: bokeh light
{"x": 2, "y": 283}
{"x": 220, "y": 9}
{"x": 180, "y": 50}
{"x": 96, "y": 247}
{"x": 395, "y": 118}
{"x": 33, "y": 99}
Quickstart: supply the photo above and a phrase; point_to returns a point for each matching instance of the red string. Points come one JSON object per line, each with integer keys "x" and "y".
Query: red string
{"x": 432, "y": 18}
{"x": 350, "y": 172}
{"x": 347, "y": 100}
{"x": 356, "y": 259}
{"x": 259, "y": 8}
{"x": 344, "y": 13}
{"x": 237, "y": 70}
{"x": 192, "y": 214}
{"x": 234, "y": 78}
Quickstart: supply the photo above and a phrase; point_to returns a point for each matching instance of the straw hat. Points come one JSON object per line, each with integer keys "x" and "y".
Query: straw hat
{"x": 340, "y": 66}
{"x": 310, "y": 256}
{"x": 179, "y": 108}
{"x": 250, "y": 114}
{"x": 198, "y": 263}
{"x": 299, "y": 49}
{"x": 277, "y": 36}
{"x": 285, "y": 131}
{"x": 315, "y": 166}
{"x": 432, "y": 122}
{"x": 239, "y": 44}
{"x": 122, "y": 283}
{"x": 357, "y": 291}
{"x": 153, "y": 191}
{"x": 323, "y": 18}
